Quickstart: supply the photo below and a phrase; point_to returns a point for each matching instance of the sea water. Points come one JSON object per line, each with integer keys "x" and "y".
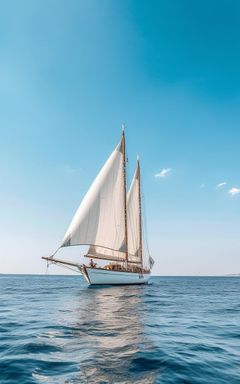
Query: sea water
{"x": 56, "y": 329}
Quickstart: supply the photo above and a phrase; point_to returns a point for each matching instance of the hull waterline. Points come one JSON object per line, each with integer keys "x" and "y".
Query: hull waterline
{"x": 98, "y": 276}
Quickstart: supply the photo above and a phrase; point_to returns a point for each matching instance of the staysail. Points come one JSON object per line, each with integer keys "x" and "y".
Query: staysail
{"x": 137, "y": 247}
{"x": 133, "y": 218}
{"x": 100, "y": 218}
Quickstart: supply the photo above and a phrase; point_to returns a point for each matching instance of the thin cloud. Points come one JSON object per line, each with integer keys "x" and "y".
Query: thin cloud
{"x": 221, "y": 185}
{"x": 70, "y": 170}
{"x": 234, "y": 191}
{"x": 163, "y": 173}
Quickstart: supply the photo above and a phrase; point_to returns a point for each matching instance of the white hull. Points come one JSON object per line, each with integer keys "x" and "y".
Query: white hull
{"x": 98, "y": 276}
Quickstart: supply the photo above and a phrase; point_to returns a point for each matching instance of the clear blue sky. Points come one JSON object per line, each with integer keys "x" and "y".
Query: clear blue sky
{"x": 71, "y": 72}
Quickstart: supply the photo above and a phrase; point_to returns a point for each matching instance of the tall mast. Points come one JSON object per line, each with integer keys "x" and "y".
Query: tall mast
{"x": 140, "y": 210}
{"x": 125, "y": 190}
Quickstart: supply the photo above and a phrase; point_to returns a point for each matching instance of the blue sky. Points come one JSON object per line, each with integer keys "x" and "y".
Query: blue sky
{"x": 71, "y": 73}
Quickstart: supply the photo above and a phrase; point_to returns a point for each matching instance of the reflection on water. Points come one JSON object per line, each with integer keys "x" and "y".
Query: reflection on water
{"x": 111, "y": 331}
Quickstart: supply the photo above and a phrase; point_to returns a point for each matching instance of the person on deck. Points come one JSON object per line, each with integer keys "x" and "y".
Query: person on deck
{"x": 92, "y": 264}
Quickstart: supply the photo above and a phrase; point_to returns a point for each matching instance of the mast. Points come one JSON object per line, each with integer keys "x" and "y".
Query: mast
{"x": 140, "y": 210}
{"x": 125, "y": 190}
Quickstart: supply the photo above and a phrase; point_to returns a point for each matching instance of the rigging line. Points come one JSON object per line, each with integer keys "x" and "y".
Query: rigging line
{"x": 52, "y": 256}
{"x": 65, "y": 267}
{"x": 47, "y": 268}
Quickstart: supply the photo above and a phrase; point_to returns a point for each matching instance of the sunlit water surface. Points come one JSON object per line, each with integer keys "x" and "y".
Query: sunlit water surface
{"x": 55, "y": 329}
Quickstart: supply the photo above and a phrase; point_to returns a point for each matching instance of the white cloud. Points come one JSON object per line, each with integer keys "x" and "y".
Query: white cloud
{"x": 70, "y": 170}
{"x": 163, "y": 173}
{"x": 220, "y": 185}
{"x": 234, "y": 191}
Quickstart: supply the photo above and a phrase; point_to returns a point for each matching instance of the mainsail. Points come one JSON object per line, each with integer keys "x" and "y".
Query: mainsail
{"x": 100, "y": 218}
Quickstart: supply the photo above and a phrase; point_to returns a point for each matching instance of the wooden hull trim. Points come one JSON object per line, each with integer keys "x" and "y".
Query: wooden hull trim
{"x": 104, "y": 269}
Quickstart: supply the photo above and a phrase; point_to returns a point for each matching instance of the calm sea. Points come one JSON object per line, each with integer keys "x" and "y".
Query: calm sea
{"x": 54, "y": 329}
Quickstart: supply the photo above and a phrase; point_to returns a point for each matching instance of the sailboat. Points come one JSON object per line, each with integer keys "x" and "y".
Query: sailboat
{"x": 109, "y": 222}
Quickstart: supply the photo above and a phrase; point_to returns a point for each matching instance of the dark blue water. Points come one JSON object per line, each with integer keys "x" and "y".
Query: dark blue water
{"x": 54, "y": 329}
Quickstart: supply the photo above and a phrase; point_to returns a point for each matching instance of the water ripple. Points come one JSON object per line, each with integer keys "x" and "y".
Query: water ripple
{"x": 54, "y": 329}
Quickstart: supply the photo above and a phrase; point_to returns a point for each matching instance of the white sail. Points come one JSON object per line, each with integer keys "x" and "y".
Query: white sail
{"x": 99, "y": 220}
{"x": 133, "y": 219}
